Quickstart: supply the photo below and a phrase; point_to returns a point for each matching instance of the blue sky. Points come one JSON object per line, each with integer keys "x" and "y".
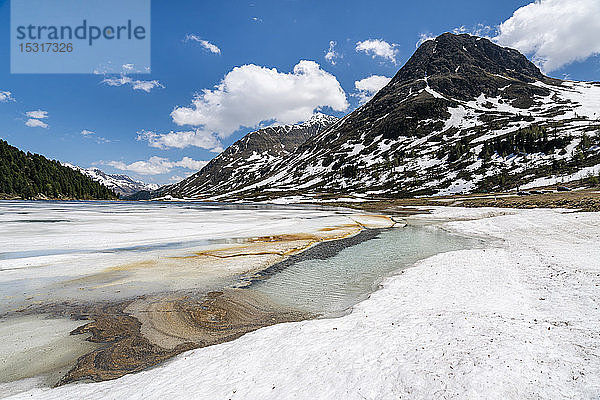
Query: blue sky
{"x": 126, "y": 130}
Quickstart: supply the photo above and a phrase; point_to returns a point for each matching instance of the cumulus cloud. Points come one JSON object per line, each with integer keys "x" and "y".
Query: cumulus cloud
{"x": 331, "y": 54}
{"x": 156, "y": 165}
{"x": 36, "y": 123}
{"x": 251, "y": 94}
{"x": 35, "y": 119}
{"x": 554, "y": 32}
{"x": 146, "y": 86}
{"x": 6, "y": 96}
{"x": 86, "y": 132}
{"x": 38, "y": 114}
{"x": 190, "y": 164}
{"x": 369, "y": 86}
{"x": 196, "y": 138}
{"x": 204, "y": 43}
{"x": 378, "y": 48}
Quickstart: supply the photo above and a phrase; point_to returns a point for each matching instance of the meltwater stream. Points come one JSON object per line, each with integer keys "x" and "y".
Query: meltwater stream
{"x": 331, "y": 286}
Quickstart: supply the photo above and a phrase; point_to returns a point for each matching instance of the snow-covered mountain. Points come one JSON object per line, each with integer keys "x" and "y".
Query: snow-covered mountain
{"x": 462, "y": 115}
{"x": 250, "y": 158}
{"x": 120, "y": 184}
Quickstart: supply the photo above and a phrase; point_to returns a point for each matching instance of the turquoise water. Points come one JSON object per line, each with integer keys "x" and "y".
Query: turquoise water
{"x": 330, "y": 287}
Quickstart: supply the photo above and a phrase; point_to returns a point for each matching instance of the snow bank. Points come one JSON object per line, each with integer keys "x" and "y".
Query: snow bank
{"x": 518, "y": 320}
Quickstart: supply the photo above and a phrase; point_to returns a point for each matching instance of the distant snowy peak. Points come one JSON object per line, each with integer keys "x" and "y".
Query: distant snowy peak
{"x": 319, "y": 119}
{"x": 119, "y": 183}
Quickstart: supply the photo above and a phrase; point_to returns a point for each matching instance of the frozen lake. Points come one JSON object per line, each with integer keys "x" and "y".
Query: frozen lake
{"x": 56, "y": 255}
{"x": 62, "y": 250}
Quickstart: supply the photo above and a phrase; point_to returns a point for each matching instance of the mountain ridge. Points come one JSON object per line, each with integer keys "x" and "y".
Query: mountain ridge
{"x": 248, "y": 156}
{"x": 462, "y": 115}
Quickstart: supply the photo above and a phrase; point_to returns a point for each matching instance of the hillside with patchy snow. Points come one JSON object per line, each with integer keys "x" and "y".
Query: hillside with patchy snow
{"x": 463, "y": 115}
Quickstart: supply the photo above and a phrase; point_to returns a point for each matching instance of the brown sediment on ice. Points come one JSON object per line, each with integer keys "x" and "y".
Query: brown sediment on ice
{"x": 221, "y": 316}
{"x": 142, "y": 333}
{"x": 213, "y": 264}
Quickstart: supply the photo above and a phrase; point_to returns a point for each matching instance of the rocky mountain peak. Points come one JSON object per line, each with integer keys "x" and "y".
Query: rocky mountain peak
{"x": 119, "y": 183}
{"x": 451, "y": 54}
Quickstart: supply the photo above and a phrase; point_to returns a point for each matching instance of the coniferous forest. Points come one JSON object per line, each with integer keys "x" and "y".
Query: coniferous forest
{"x": 28, "y": 175}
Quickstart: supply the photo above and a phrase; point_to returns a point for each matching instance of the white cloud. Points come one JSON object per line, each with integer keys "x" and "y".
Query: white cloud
{"x": 369, "y": 86}
{"x": 251, "y": 94}
{"x": 146, "y": 86}
{"x": 478, "y": 30}
{"x": 554, "y": 32}
{"x": 378, "y": 48}
{"x": 423, "y": 37}
{"x": 180, "y": 140}
{"x": 257, "y": 19}
{"x": 109, "y": 68}
{"x": 35, "y": 118}
{"x": 186, "y": 174}
{"x": 331, "y": 54}
{"x": 36, "y": 123}
{"x": 92, "y": 135}
{"x": 190, "y": 164}
{"x": 204, "y": 43}
{"x": 38, "y": 114}
{"x": 6, "y": 96}
{"x": 156, "y": 165}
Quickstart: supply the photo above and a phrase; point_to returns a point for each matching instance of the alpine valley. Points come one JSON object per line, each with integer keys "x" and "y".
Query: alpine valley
{"x": 462, "y": 115}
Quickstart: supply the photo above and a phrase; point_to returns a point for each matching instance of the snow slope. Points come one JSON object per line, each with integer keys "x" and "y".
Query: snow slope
{"x": 517, "y": 320}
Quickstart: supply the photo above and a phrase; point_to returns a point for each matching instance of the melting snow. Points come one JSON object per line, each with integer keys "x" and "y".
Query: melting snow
{"x": 516, "y": 319}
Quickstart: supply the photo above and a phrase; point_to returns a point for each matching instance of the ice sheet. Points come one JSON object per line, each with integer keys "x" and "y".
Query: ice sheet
{"x": 53, "y": 251}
